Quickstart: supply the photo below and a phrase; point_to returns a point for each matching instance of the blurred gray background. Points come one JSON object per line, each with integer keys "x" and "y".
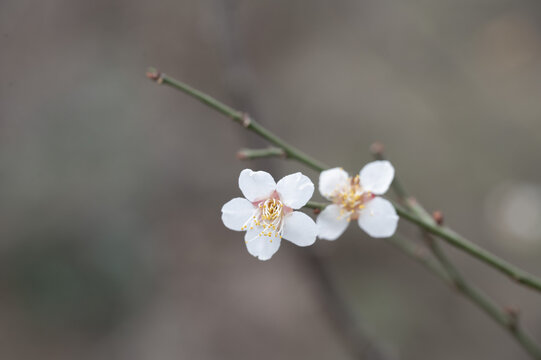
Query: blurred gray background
{"x": 111, "y": 186}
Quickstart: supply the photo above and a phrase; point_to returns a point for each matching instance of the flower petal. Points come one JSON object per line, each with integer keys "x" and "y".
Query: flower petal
{"x": 261, "y": 246}
{"x": 332, "y": 179}
{"x": 378, "y": 218}
{"x": 256, "y": 185}
{"x": 300, "y": 229}
{"x": 377, "y": 176}
{"x": 236, "y": 212}
{"x": 295, "y": 190}
{"x": 331, "y": 223}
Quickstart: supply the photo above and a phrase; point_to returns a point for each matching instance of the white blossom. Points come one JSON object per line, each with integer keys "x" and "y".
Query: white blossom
{"x": 267, "y": 213}
{"x": 354, "y": 198}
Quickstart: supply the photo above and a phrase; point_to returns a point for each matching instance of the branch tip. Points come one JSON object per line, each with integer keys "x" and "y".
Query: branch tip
{"x": 241, "y": 155}
{"x": 377, "y": 148}
{"x": 154, "y": 75}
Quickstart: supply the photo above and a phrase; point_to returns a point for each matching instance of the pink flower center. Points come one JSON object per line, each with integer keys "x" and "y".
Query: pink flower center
{"x": 351, "y": 198}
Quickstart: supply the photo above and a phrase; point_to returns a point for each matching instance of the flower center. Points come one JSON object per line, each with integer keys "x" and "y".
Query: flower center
{"x": 351, "y": 198}
{"x": 269, "y": 216}
{"x": 271, "y": 209}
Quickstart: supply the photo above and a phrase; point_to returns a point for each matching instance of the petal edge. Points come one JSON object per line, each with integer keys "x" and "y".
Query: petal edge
{"x": 256, "y": 185}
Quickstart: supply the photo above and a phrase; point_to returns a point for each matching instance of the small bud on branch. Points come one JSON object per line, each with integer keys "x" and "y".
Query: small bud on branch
{"x": 438, "y": 217}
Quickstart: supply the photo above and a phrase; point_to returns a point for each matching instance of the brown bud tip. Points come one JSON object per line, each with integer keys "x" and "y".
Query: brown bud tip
{"x": 317, "y": 211}
{"x": 513, "y": 314}
{"x": 154, "y": 75}
{"x": 241, "y": 155}
{"x": 512, "y": 311}
{"x": 438, "y": 217}
{"x": 377, "y": 148}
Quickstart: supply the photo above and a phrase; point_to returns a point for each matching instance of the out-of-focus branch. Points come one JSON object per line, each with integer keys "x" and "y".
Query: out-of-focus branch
{"x": 508, "y": 320}
{"x": 360, "y": 344}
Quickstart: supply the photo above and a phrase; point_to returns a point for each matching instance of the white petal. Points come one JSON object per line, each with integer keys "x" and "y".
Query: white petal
{"x": 300, "y": 229}
{"x": 236, "y": 212}
{"x": 332, "y": 179}
{"x": 377, "y": 176}
{"x": 331, "y": 224}
{"x": 256, "y": 185}
{"x": 378, "y": 218}
{"x": 295, "y": 190}
{"x": 260, "y": 246}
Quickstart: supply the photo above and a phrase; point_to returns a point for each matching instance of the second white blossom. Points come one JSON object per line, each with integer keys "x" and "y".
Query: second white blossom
{"x": 355, "y": 198}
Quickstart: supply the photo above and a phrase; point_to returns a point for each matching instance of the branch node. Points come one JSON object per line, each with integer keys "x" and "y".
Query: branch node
{"x": 411, "y": 200}
{"x": 246, "y": 120}
{"x": 438, "y": 217}
{"x": 317, "y": 211}
{"x": 513, "y": 316}
{"x": 154, "y": 75}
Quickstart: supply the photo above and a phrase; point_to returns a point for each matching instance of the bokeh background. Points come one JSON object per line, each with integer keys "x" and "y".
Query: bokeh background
{"x": 111, "y": 244}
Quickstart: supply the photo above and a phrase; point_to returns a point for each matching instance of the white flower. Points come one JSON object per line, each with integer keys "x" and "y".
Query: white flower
{"x": 266, "y": 213}
{"x": 355, "y": 199}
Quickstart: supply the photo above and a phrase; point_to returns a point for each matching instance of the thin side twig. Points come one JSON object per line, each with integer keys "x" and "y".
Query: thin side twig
{"x": 251, "y": 154}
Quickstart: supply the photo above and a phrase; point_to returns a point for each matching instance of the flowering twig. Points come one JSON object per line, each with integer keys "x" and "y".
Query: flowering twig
{"x": 249, "y": 154}
{"x": 445, "y": 233}
{"x": 416, "y": 215}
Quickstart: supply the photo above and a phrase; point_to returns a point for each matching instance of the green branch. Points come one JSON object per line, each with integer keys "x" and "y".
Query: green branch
{"x": 476, "y": 251}
{"x": 460, "y": 242}
{"x": 237, "y": 116}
